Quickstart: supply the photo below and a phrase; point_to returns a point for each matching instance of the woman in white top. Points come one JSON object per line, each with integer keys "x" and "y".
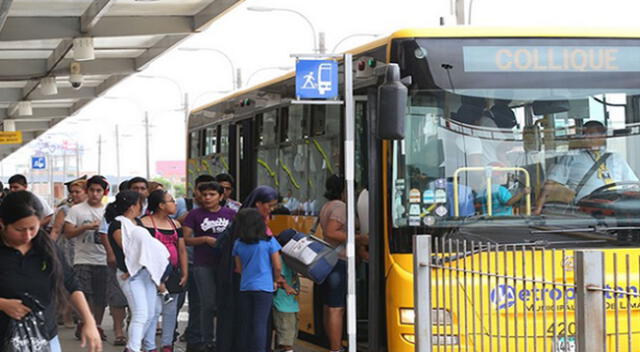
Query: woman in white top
{"x": 141, "y": 260}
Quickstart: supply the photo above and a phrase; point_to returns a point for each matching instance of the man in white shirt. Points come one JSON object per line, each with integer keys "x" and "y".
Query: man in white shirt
{"x": 17, "y": 183}
{"x": 90, "y": 260}
{"x": 572, "y": 168}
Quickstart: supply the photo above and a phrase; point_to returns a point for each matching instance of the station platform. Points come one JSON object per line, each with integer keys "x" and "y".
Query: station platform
{"x": 70, "y": 344}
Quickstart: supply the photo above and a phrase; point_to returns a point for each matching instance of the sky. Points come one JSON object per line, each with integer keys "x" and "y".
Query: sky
{"x": 263, "y": 40}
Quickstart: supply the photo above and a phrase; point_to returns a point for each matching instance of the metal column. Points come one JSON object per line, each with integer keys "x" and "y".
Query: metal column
{"x": 422, "y": 291}
{"x": 349, "y": 158}
{"x": 590, "y": 332}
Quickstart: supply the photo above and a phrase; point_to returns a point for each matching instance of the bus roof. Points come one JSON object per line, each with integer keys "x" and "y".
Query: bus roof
{"x": 456, "y": 32}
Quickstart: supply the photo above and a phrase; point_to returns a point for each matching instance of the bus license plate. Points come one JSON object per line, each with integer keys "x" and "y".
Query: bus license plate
{"x": 563, "y": 344}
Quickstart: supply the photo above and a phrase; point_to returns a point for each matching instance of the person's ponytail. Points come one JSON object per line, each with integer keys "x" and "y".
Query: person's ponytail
{"x": 124, "y": 201}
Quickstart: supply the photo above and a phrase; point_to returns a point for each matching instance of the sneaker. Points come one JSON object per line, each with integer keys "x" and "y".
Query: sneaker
{"x": 167, "y": 349}
{"x": 166, "y": 297}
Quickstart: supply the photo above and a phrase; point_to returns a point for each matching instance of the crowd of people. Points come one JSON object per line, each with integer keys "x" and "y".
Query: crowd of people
{"x": 146, "y": 252}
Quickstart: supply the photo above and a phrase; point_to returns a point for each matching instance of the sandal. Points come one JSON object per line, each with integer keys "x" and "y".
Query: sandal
{"x": 120, "y": 341}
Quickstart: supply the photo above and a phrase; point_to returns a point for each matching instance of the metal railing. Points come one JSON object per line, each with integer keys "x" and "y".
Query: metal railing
{"x": 479, "y": 296}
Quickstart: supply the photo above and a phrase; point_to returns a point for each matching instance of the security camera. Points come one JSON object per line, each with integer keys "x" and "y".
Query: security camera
{"x": 76, "y": 77}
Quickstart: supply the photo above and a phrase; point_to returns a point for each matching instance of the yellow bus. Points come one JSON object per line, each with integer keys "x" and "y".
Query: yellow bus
{"x": 511, "y": 137}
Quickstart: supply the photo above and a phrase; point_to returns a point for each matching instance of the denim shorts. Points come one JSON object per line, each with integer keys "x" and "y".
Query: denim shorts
{"x": 334, "y": 288}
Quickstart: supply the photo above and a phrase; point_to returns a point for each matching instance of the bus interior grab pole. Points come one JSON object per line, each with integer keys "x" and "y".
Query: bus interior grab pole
{"x": 349, "y": 152}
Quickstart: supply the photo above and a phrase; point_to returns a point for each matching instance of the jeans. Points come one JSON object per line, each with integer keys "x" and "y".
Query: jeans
{"x": 194, "y": 335}
{"x": 54, "y": 344}
{"x": 205, "y": 278}
{"x": 169, "y": 319}
{"x": 144, "y": 305}
{"x": 255, "y": 309}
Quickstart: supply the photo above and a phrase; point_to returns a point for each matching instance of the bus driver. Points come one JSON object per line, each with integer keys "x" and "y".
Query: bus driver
{"x": 575, "y": 170}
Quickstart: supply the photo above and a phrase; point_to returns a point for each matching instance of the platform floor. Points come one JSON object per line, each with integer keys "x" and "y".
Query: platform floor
{"x": 70, "y": 344}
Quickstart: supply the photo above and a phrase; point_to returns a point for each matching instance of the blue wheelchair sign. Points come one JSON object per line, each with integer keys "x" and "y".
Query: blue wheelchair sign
{"x": 38, "y": 162}
{"x": 317, "y": 79}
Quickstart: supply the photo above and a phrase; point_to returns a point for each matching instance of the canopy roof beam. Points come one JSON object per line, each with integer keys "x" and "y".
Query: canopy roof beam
{"x": 42, "y": 28}
{"x": 93, "y": 14}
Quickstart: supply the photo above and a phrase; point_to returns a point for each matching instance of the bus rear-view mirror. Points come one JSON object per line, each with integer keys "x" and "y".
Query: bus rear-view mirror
{"x": 392, "y": 105}
{"x": 544, "y": 107}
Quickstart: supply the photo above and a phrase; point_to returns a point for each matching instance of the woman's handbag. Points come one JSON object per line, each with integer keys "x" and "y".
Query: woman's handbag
{"x": 27, "y": 334}
{"x": 310, "y": 256}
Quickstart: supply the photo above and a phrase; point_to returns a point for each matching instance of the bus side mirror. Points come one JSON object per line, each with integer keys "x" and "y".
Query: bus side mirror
{"x": 392, "y": 105}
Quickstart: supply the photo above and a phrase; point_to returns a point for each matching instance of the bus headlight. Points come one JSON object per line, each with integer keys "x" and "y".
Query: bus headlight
{"x": 407, "y": 316}
{"x": 439, "y": 316}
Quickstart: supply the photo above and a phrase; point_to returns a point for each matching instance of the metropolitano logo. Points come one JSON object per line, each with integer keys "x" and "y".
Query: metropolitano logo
{"x": 503, "y": 296}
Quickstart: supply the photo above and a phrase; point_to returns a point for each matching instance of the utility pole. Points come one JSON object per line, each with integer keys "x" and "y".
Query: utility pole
{"x": 77, "y": 160}
{"x": 64, "y": 164}
{"x": 322, "y": 48}
{"x": 238, "y": 78}
{"x": 51, "y": 161}
{"x": 146, "y": 140}
{"x": 118, "y": 153}
{"x": 460, "y": 12}
{"x": 99, "y": 154}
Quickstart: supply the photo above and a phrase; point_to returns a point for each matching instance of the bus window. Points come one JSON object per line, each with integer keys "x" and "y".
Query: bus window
{"x": 293, "y": 176}
{"x": 211, "y": 140}
{"x": 196, "y": 147}
{"x": 546, "y": 141}
{"x": 269, "y": 128}
{"x": 298, "y": 126}
{"x": 224, "y": 139}
{"x": 283, "y": 126}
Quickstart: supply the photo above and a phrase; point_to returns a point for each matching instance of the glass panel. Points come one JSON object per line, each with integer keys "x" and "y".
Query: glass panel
{"x": 268, "y": 130}
{"x": 293, "y": 176}
{"x": 211, "y": 141}
{"x": 224, "y": 139}
{"x": 297, "y": 123}
{"x": 194, "y": 144}
{"x": 268, "y": 168}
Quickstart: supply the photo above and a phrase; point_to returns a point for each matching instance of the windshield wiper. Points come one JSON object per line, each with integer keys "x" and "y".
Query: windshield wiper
{"x": 586, "y": 229}
{"x": 534, "y": 244}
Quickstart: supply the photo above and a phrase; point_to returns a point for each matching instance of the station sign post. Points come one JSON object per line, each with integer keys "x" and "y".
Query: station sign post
{"x": 317, "y": 82}
{"x": 38, "y": 162}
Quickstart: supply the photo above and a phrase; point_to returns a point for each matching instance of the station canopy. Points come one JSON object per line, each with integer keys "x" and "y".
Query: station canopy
{"x": 46, "y": 49}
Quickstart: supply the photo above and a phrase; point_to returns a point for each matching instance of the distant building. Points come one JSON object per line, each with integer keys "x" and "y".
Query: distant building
{"x": 174, "y": 170}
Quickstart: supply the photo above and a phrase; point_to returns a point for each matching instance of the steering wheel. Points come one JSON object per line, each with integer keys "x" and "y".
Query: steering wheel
{"x": 611, "y": 186}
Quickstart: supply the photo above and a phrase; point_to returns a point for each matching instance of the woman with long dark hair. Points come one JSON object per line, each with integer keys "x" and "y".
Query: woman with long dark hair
{"x": 264, "y": 199}
{"x": 28, "y": 252}
{"x": 141, "y": 261}
{"x": 161, "y": 206}
{"x": 333, "y": 221}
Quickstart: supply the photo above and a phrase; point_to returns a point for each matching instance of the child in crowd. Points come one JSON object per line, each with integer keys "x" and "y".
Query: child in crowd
{"x": 258, "y": 258}
{"x": 285, "y": 309}
{"x": 502, "y": 200}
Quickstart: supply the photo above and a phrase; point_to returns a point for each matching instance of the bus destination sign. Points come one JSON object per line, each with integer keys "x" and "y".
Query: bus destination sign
{"x": 551, "y": 59}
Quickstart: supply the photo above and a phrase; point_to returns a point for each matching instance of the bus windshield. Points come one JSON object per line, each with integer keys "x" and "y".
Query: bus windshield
{"x": 535, "y": 133}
